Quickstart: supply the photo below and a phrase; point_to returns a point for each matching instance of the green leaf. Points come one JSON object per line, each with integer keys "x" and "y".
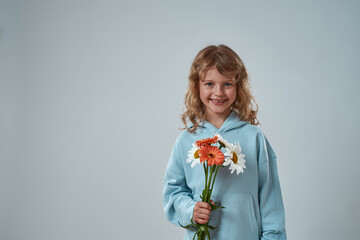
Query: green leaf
{"x": 211, "y": 227}
{"x": 216, "y": 205}
{"x": 191, "y": 227}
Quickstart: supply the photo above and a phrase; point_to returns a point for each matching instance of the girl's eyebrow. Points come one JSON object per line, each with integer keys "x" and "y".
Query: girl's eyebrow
{"x": 209, "y": 80}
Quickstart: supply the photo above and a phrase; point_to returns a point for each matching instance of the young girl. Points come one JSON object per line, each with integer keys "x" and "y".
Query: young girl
{"x": 218, "y": 100}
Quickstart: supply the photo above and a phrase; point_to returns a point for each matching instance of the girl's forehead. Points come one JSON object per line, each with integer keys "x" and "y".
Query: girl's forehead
{"x": 221, "y": 71}
{"x": 214, "y": 74}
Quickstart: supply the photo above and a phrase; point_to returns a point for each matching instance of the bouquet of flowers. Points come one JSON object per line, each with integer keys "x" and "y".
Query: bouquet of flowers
{"x": 208, "y": 153}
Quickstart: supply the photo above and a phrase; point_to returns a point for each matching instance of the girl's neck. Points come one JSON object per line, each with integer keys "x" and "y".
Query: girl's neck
{"x": 216, "y": 119}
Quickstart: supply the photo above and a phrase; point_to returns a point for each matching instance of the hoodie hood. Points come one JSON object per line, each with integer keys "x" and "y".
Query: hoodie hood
{"x": 231, "y": 122}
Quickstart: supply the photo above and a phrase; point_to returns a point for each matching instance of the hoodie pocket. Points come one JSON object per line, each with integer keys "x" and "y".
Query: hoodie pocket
{"x": 238, "y": 218}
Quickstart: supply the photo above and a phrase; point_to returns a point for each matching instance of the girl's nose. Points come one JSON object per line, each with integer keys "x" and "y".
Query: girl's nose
{"x": 218, "y": 90}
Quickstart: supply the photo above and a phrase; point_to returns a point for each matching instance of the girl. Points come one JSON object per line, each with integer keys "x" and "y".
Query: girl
{"x": 218, "y": 100}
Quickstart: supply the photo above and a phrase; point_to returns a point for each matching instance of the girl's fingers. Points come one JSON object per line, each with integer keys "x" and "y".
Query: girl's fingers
{"x": 203, "y": 205}
{"x": 204, "y": 212}
{"x": 200, "y": 221}
{"x": 201, "y": 218}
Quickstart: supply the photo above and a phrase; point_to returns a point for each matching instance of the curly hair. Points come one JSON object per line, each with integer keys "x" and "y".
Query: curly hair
{"x": 227, "y": 62}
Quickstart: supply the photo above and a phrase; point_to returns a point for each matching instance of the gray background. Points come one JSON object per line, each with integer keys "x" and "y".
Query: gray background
{"x": 91, "y": 93}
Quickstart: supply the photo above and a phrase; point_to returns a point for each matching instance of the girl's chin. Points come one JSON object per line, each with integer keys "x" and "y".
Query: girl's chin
{"x": 219, "y": 111}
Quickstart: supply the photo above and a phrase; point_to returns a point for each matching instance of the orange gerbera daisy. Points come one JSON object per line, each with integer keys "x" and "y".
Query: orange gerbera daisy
{"x": 212, "y": 155}
{"x": 206, "y": 142}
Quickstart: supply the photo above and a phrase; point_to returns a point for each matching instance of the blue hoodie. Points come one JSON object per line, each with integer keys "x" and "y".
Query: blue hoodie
{"x": 253, "y": 204}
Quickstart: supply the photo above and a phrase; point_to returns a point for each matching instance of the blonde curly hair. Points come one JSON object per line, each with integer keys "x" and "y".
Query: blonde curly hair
{"x": 227, "y": 62}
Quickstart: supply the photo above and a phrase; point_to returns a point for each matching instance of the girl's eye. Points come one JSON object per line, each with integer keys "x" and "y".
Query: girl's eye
{"x": 208, "y": 84}
{"x": 228, "y": 84}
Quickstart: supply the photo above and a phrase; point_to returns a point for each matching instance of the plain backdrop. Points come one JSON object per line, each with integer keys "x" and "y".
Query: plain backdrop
{"x": 91, "y": 93}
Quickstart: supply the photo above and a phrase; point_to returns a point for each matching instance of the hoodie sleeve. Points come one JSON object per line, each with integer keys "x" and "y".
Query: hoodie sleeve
{"x": 270, "y": 200}
{"x": 178, "y": 200}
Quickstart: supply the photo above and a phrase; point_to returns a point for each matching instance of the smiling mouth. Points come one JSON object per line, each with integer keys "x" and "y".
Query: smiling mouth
{"x": 218, "y": 101}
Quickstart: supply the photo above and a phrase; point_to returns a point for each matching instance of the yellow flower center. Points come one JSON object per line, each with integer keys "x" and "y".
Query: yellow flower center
{"x": 235, "y": 158}
{"x": 196, "y": 154}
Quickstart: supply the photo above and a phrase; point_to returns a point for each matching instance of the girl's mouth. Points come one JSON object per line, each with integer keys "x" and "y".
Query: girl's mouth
{"x": 218, "y": 101}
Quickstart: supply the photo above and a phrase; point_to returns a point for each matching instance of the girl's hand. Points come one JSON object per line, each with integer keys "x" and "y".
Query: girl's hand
{"x": 202, "y": 212}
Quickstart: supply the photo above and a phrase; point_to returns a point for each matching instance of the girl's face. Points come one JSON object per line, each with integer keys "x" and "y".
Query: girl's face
{"x": 217, "y": 93}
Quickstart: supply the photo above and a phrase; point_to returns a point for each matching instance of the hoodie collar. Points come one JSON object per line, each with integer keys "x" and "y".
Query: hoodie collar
{"x": 231, "y": 122}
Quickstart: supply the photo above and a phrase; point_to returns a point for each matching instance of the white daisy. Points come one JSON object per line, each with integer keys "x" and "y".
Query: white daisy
{"x": 235, "y": 158}
{"x": 223, "y": 141}
{"x": 193, "y": 156}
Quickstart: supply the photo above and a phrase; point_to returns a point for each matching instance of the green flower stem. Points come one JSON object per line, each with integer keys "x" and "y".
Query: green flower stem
{"x": 208, "y": 193}
{"x": 202, "y": 232}
{"x": 207, "y": 183}
{"x": 206, "y": 176}
{"x": 212, "y": 184}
